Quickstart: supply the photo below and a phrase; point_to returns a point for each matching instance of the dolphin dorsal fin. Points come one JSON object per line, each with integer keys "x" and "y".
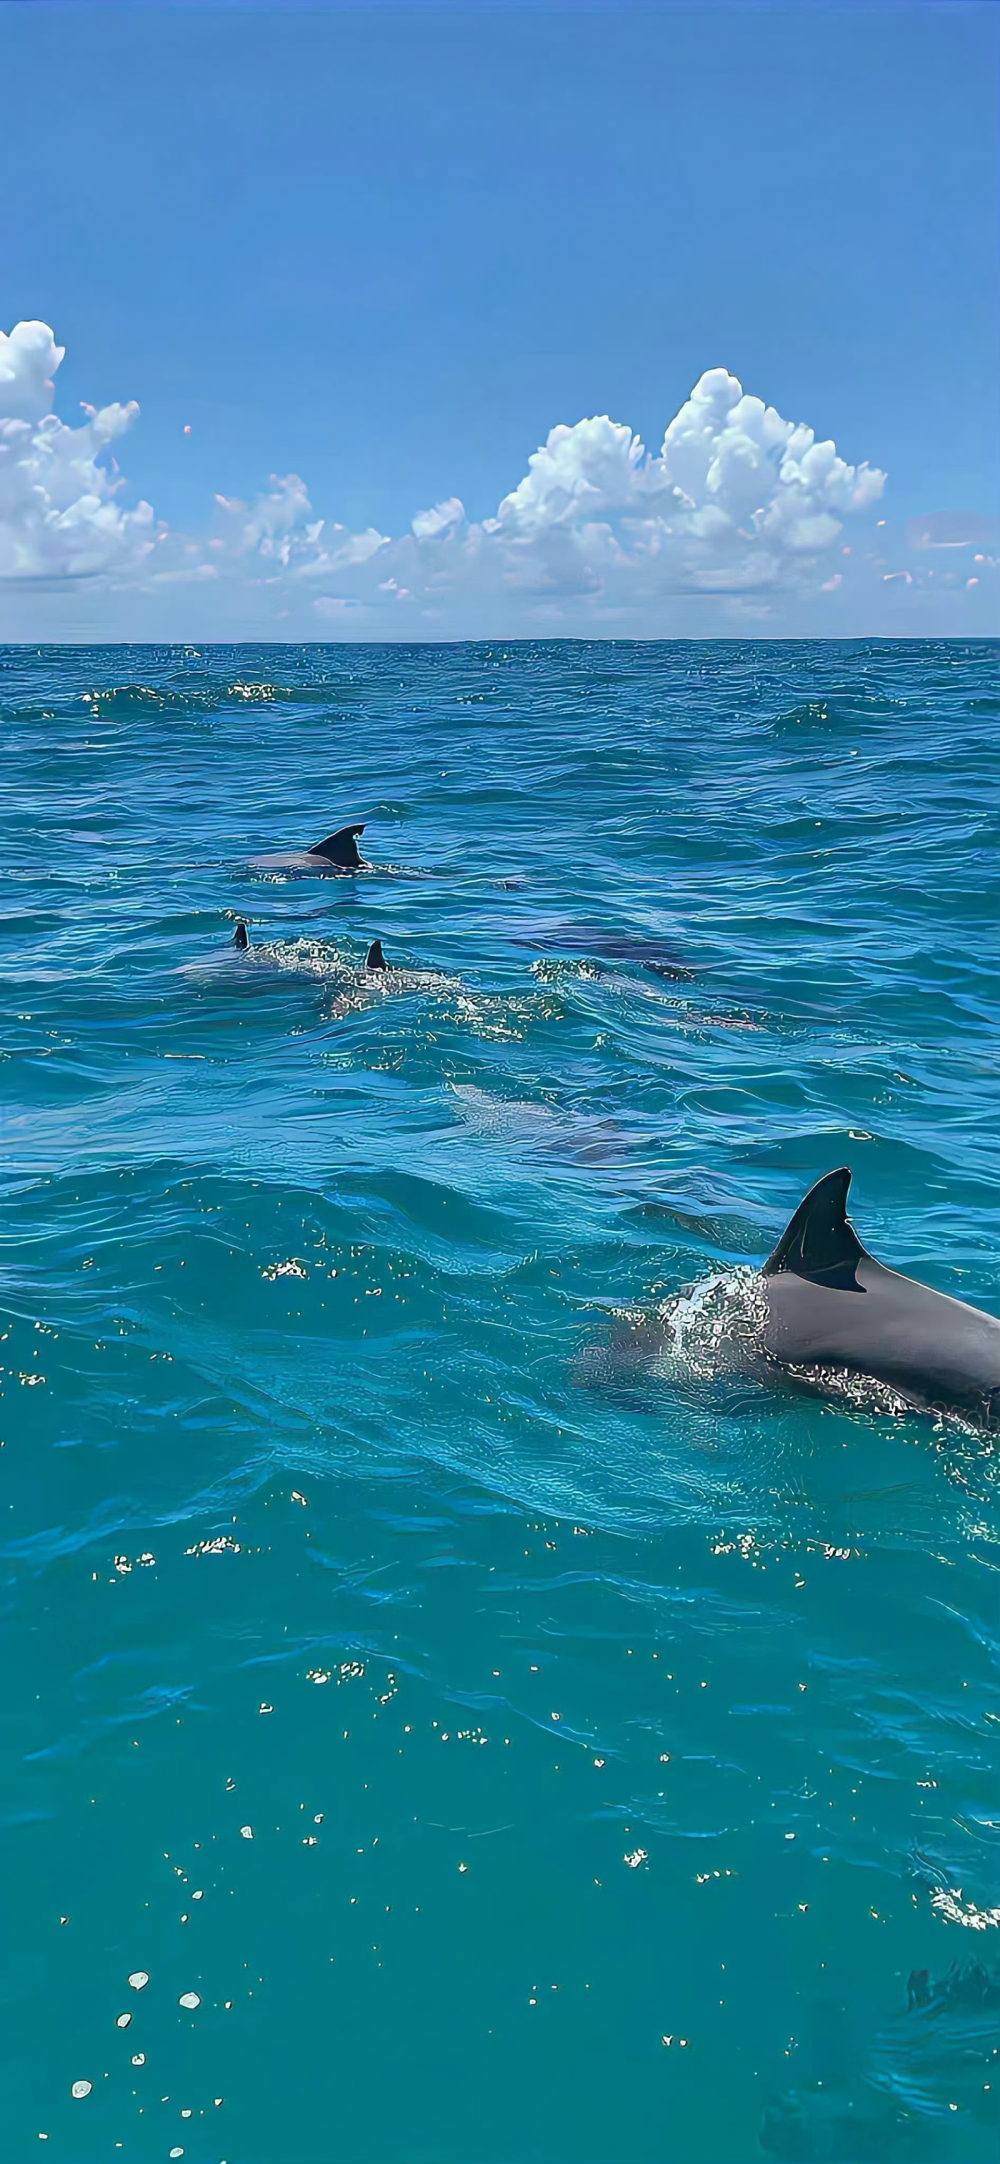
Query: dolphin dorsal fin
{"x": 820, "y": 1242}
{"x": 375, "y": 959}
{"x": 241, "y": 937}
{"x": 341, "y": 848}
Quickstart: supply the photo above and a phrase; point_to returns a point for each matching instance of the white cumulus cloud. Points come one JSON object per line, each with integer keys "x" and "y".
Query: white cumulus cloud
{"x": 442, "y": 519}
{"x": 734, "y": 493}
{"x": 740, "y": 517}
{"x": 737, "y": 502}
{"x": 59, "y": 518}
{"x": 279, "y": 531}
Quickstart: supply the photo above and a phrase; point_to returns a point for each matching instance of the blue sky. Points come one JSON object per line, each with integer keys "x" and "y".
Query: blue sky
{"x": 387, "y": 250}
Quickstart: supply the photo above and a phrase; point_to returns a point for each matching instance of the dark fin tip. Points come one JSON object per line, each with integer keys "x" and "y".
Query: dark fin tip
{"x": 819, "y": 1242}
{"x": 341, "y": 848}
{"x": 241, "y": 937}
{"x": 375, "y": 959}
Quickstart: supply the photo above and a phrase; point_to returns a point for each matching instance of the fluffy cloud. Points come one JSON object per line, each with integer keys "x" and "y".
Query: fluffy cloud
{"x": 734, "y": 493}
{"x": 741, "y": 517}
{"x": 278, "y": 530}
{"x": 58, "y": 515}
{"x": 737, "y": 501}
{"x": 28, "y": 362}
{"x": 443, "y": 519}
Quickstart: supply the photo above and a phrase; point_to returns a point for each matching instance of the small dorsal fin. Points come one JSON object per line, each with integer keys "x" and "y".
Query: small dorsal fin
{"x": 820, "y": 1242}
{"x": 241, "y": 937}
{"x": 375, "y": 959}
{"x": 341, "y": 848}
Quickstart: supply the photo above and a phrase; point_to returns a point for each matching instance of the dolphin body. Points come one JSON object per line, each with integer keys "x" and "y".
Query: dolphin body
{"x": 870, "y": 2103}
{"x": 613, "y": 946}
{"x": 374, "y": 959}
{"x": 337, "y": 853}
{"x": 830, "y": 1305}
{"x": 239, "y": 960}
{"x": 823, "y": 1316}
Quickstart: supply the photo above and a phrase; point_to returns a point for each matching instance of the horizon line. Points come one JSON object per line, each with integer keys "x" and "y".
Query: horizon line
{"x": 774, "y": 638}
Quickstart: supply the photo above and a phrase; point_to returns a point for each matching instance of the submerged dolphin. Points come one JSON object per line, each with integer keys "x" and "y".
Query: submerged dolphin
{"x": 613, "y": 946}
{"x": 336, "y": 853}
{"x": 870, "y": 2103}
{"x": 830, "y": 1305}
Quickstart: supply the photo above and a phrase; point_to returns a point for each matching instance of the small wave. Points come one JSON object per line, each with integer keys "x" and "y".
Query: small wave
{"x": 122, "y": 702}
{"x": 127, "y": 701}
{"x": 832, "y": 716}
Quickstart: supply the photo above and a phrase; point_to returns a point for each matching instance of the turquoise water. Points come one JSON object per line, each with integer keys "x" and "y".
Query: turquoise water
{"x": 517, "y": 1761}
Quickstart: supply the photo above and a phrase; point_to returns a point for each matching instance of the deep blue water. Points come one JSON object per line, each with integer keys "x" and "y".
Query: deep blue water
{"x": 611, "y": 1752}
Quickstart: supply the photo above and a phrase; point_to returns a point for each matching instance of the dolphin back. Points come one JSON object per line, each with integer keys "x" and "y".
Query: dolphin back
{"x": 833, "y": 1308}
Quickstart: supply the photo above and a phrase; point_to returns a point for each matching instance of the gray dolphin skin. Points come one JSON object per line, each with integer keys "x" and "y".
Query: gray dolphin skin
{"x": 335, "y": 853}
{"x": 241, "y": 938}
{"x": 831, "y": 1305}
{"x": 375, "y": 959}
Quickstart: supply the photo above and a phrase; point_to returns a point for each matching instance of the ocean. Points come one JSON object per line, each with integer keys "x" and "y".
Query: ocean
{"x": 425, "y": 1742}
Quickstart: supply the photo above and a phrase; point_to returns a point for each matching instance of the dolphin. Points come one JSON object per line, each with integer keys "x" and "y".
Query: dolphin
{"x": 869, "y": 2103}
{"x": 822, "y": 1315}
{"x": 335, "y": 853}
{"x": 218, "y": 967}
{"x": 522, "y": 1124}
{"x": 286, "y": 958}
{"x": 613, "y": 946}
{"x": 830, "y": 1305}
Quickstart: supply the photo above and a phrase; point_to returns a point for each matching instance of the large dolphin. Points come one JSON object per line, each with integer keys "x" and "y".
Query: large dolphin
{"x": 335, "y": 853}
{"x": 831, "y": 1306}
{"x": 823, "y": 1315}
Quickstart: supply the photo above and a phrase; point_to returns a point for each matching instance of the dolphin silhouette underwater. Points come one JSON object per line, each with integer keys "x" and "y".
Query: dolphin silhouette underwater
{"x": 336, "y": 853}
{"x": 868, "y": 2101}
{"x": 830, "y": 1305}
{"x": 639, "y": 948}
